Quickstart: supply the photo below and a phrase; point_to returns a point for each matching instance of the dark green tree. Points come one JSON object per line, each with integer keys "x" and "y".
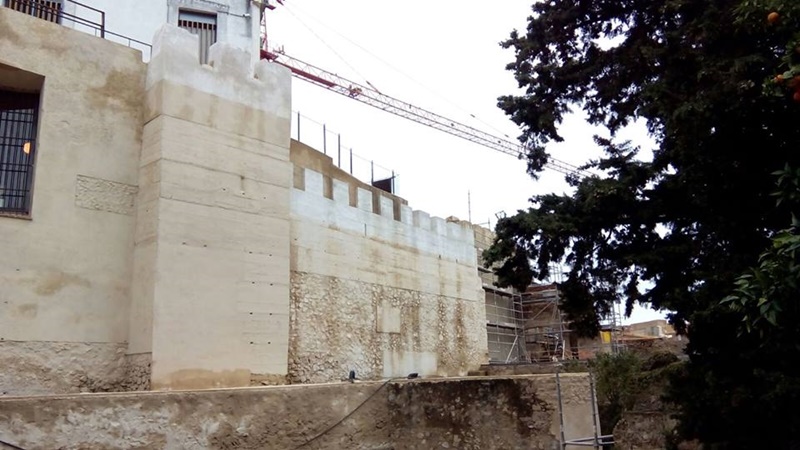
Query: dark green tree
{"x": 703, "y": 75}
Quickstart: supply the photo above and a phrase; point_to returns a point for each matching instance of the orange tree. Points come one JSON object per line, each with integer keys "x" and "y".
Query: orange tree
{"x": 714, "y": 80}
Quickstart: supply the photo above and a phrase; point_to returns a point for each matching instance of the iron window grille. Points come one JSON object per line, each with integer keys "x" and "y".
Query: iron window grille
{"x": 18, "y": 120}
{"x": 203, "y": 25}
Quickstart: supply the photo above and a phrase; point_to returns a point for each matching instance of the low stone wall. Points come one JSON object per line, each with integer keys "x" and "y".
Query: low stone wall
{"x": 40, "y": 368}
{"x": 469, "y": 413}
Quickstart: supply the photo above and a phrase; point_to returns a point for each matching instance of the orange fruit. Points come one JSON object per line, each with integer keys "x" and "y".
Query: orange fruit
{"x": 773, "y": 17}
{"x": 796, "y": 96}
{"x": 779, "y": 79}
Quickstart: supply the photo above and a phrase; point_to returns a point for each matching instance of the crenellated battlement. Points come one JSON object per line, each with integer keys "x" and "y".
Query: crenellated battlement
{"x": 228, "y": 93}
{"x": 401, "y": 219}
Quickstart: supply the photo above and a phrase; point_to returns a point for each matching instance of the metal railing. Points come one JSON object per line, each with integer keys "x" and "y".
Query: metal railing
{"x": 85, "y": 18}
{"x": 317, "y": 135}
{"x": 53, "y": 11}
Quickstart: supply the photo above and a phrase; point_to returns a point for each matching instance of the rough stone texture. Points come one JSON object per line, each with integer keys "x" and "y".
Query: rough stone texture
{"x": 333, "y": 330}
{"x": 137, "y": 372}
{"x": 474, "y": 413}
{"x": 38, "y": 368}
{"x": 104, "y": 195}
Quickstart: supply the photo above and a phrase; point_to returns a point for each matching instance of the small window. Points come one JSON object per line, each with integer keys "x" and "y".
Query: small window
{"x": 202, "y": 24}
{"x": 18, "y": 119}
{"x": 49, "y": 10}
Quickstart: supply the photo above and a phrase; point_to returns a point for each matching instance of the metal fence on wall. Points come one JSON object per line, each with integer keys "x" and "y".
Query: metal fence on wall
{"x": 318, "y": 136}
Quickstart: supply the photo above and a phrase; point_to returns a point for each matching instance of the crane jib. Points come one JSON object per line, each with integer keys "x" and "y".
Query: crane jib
{"x": 374, "y": 98}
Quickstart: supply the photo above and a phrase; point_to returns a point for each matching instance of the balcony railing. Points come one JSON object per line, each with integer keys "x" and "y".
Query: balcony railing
{"x": 81, "y": 17}
{"x": 53, "y": 11}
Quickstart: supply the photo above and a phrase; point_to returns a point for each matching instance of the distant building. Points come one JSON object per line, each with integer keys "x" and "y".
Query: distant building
{"x": 653, "y": 328}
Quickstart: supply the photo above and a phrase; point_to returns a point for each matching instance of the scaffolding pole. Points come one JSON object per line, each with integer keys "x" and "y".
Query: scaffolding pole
{"x": 596, "y": 441}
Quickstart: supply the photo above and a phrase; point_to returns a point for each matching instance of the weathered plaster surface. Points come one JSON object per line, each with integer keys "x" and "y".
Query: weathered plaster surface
{"x": 65, "y": 273}
{"x": 472, "y": 413}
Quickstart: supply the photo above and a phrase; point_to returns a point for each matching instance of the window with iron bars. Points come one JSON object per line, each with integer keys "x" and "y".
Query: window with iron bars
{"x": 204, "y": 25}
{"x": 18, "y": 120}
{"x": 49, "y": 10}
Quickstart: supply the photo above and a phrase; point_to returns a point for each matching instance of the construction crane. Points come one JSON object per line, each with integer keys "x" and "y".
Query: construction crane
{"x": 372, "y": 97}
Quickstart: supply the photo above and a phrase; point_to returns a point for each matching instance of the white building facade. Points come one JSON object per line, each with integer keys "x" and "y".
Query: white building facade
{"x": 135, "y": 22}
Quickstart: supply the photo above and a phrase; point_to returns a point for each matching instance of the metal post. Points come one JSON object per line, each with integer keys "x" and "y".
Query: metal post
{"x": 594, "y": 410}
{"x": 469, "y": 208}
{"x": 351, "y": 160}
{"x": 392, "y": 187}
{"x": 298, "y": 126}
{"x": 371, "y": 172}
{"x": 562, "y": 441}
{"x": 339, "y": 149}
{"x": 103, "y": 25}
{"x": 324, "y": 139}
{"x": 508, "y": 357}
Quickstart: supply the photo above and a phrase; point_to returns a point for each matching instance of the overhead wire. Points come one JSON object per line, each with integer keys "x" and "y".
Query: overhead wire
{"x": 555, "y": 164}
{"x": 311, "y": 30}
{"x": 401, "y": 72}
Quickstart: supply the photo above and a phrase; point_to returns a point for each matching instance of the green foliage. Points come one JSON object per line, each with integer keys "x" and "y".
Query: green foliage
{"x": 574, "y": 366}
{"x": 628, "y": 382}
{"x": 617, "y": 384}
{"x": 767, "y": 295}
{"x": 749, "y": 15}
{"x": 659, "y": 360}
{"x": 701, "y": 74}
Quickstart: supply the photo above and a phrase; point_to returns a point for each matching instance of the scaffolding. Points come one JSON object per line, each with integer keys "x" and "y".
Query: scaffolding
{"x": 613, "y": 330}
{"x": 548, "y": 337}
{"x": 504, "y": 323}
{"x": 545, "y": 329}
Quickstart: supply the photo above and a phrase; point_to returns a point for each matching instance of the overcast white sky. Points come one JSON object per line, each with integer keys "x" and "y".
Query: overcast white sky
{"x": 440, "y": 55}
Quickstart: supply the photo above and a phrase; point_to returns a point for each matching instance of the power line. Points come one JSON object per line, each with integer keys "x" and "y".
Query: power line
{"x": 329, "y": 46}
{"x": 399, "y": 71}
